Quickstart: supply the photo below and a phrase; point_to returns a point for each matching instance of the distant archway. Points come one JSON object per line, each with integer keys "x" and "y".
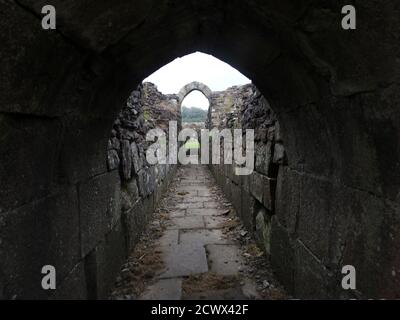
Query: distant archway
{"x": 193, "y": 86}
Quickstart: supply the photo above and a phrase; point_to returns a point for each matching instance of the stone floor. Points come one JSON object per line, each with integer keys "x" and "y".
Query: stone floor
{"x": 205, "y": 253}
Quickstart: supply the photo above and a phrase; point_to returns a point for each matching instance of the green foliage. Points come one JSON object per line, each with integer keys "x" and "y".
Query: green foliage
{"x": 192, "y": 144}
{"x": 193, "y": 114}
{"x": 146, "y": 115}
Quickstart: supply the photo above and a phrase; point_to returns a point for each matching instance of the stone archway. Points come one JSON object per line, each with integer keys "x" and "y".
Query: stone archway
{"x": 189, "y": 88}
{"x": 336, "y": 98}
{"x": 194, "y": 86}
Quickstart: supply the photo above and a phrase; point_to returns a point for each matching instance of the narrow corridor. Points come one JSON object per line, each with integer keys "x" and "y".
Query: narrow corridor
{"x": 196, "y": 248}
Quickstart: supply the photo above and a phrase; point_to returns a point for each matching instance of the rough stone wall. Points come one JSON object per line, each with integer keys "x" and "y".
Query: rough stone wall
{"x": 99, "y": 220}
{"x": 225, "y": 106}
{"x": 269, "y": 203}
{"x": 258, "y": 197}
{"x": 142, "y": 184}
{"x": 253, "y": 196}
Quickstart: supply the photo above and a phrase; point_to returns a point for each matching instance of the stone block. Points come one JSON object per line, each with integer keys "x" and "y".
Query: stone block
{"x": 169, "y": 238}
{"x": 236, "y": 198}
{"x": 278, "y": 132}
{"x": 247, "y": 212}
{"x": 312, "y": 280}
{"x": 143, "y": 182}
{"x": 245, "y": 182}
{"x": 100, "y": 208}
{"x": 83, "y": 151}
{"x": 42, "y": 233}
{"x": 268, "y": 198}
{"x": 134, "y": 222}
{"x": 369, "y": 241}
{"x": 212, "y": 222}
{"x": 189, "y": 222}
{"x": 263, "y": 229}
{"x": 137, "y": 162}
{"x": 315, "y": 219}
{"x": 184, "y": 260}
{"x": 282, "y": 255}
{"x": 202, "y": 237}
{"x": 236, "y": 179}
{"x": 73, "y": 286}
{"x": 287, "y": 194}
{"x": 112, "y": 160}
{"x": 205, "y": 212}
{"x": 28, "y": 153}
{"x": 104, "y": 262}
{"x": 126, "y": 160}
{"x": 257, "y": 186}
{"x": 148, "y": 205}
{"x": 227, "y": 187}
{"x": 164, "y": 289}
{"x": 263, "y": 157}
{"x": 22, "y": 76}
{"x": 279, "y": 154}
{"x": 224, "y": 259}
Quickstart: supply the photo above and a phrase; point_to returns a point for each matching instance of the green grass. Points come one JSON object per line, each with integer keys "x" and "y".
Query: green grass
{"x": 192, "y": 144}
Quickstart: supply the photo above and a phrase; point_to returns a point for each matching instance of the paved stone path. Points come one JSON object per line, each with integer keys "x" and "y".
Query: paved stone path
{"x": 202, "y": 255}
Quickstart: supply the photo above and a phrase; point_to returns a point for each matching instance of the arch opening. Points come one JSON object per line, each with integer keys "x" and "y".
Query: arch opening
{"x": 338, "y": 116}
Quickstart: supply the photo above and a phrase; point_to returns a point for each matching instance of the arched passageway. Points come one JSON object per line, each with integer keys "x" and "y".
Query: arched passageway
{"x": 335, "y": 95}
{"x": 194, "y": 86}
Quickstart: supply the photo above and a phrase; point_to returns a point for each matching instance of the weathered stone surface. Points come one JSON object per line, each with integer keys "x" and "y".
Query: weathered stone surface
{"x": 190, "y": 205}
{"x": 129, "y": 194}
{"x": 144, "y": 182}
{"x": 32, "y": 54}
{"x": 134, "y": 221}
{"x": 103, "y": 263}
{"x": 126, "y": 159}
{"x": 188, "y": 222}
{"x": 74, "y": 285}
{"x": 279, "y": 154}
{"x": 100, "y": 208}
{"x": 224, "y": 259}
{"x": 236, "y": 198}
{"x": 263, "y": 229}
{"x": 311, "y": 278}
{"x": 164, "y": 289}
{"x": 29, "y": 148}
{"x": 113, "y": 160}
{"x": 263, "y": 157}
{"x": 212, "y": 222}
{"x": 204, "y": 212}
{"x": 247, "y": 212}
{"x": 184, "y": 259}
{"x": 202, "y": 237}
{"x": 314, "y": 217}
{"x": 45, "y": 232}
{"x": 288, "y": 198}
{"x": 282, "y": 255}
{"x": 136, "y": 160}
{"x": 169, "y": 238}
{"x": 195, "y": 85}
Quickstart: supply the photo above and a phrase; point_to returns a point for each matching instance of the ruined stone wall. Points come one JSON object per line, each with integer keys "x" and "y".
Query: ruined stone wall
{"x": 253, "y": 196}
{"x": 142, "y": 184}
{"x": 99, "y": 219}
{"x": 269, "y": 203}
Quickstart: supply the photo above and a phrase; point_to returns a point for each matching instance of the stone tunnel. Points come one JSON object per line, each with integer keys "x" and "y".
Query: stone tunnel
{"x": 325, "y": 101}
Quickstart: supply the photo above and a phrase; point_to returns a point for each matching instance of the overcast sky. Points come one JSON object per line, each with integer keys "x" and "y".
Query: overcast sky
{"x": 217, "y": 75}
